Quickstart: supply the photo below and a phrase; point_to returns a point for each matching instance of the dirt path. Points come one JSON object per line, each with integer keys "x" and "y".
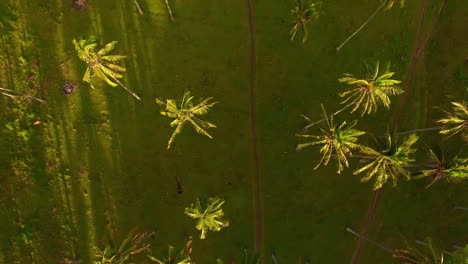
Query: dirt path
{"x": 417, "y": 52}
{"x": 258, "y": 205}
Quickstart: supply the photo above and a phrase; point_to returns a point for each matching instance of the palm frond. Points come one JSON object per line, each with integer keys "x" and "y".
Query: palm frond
{"x": 390, "y": 3}
{"x": 173, "y": 257}
{"x": 456, "y": 121}
{"x": 133, "y": 244}
{"x": 107, "y": 48}
{"x": 427, "y": 253}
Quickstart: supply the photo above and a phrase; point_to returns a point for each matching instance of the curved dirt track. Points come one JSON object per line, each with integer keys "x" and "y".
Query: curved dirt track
{"x": 258, "y": 213}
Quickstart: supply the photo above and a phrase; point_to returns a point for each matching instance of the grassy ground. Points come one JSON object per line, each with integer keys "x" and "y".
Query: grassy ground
{"x": 98, "y": 162}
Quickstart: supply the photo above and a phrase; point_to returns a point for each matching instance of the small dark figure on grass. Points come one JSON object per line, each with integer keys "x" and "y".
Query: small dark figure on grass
{"x": 80, "y": 4}
{"x": 68, "y": 88}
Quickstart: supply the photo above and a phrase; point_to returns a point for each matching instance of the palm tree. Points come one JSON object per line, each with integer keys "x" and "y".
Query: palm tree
{"x": 339, "y": 139}
{"x": 303, "y": 14}
{"x": 367, "y": 94}
{"x": 426, "y": 253}
{"x": 132, "y": 245}
{"x": 183, "y": 257}
{"x": 440, "y": 168}
{"x": 208, "y": 214}
{"x": 388, "y": 161}
{"x": 101, "y": 64}
{"x": 187, "y": 112}
{"x": 456, "y": 121}
{"x": 388, "y": 3}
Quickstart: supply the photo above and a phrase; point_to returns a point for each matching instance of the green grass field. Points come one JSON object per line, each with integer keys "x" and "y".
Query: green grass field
{"x": 98, "y": 162}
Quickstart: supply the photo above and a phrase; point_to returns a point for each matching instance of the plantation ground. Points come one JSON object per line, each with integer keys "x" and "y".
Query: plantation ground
{"x": 98, "y": 161}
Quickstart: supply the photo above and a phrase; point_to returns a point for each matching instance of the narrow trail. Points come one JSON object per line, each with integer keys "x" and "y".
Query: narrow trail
{"x": 417, "y": 52}
{"x": 258, "y": 205}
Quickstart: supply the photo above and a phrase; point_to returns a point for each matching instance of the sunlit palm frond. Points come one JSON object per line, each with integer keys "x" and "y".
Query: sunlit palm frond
{"x": 173, "y": 257}
{"x": 390, "y": 3}
{"x": 426, "y": 253}
{"x": 208, "y": 213}
{"x": 107, "y": 48}
{"x": 303, "y": 14}
{"x": 367, "y": 94}
{"x": 113, "y": 58}
{"x": 456, "y": 121}
{"x": 132, "y": 245}
{"x": 388, "y": 161}
{"x": 340, "y": 140}
{"x": 187, "y": 112}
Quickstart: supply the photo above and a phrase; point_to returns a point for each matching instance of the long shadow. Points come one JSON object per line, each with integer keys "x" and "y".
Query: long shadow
{"x": 45, "y": 215}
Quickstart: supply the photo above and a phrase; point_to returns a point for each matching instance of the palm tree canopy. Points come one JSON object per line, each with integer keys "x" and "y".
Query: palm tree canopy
{"x": 388, "y": 161}
{"x": 367, "y": 94}
{"x": 456, "y": 121}
{"x": 173, "y": 257}
{"x": 303, "y": 14}
{"x": 208, "y": 214}
{"x": 187, "y": 112}
{"x": 440, "y": 168}
{"x": 100, "y": 63}
{"x": 339, "y": 139}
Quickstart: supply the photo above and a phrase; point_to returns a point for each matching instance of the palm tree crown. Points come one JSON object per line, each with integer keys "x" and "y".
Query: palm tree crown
{"x": 340, "y": 139}
{"x": 208, "y": 214}
{"x": 187, "y": 112}
{"x": 456, "y": 121}
{"x": 441, "y": 168}
{"x": 99, "y": 63}
{"x": 303, "y": 14}
{"x": 371, "y": 92}
{"x": 388, "y": 161}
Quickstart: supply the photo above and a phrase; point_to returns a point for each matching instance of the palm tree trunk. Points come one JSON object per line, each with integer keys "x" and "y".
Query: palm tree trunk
{"x": 388, "y": 250}
{"x": 125, "y": 87}
{"x": 334, "y": 114}
{"x": 13, "y": 94}
{"x": 170, "y": 10}
{"x": 138, "y": 7}
{"x": 420, "y": 130}
{"x": 460, "y": 208}
{"x": 362, "y": 26}
{"x": 273, "y": 257}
